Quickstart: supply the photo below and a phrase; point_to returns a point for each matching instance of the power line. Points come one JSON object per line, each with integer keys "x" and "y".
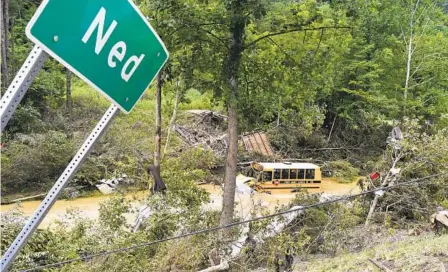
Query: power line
{"x": 303, "y": 208}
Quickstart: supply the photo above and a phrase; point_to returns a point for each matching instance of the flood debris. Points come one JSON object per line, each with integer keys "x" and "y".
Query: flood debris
{"x": 108, "y": 186}
{"x": 207, "y": 130}
{"x": 208, "y": 114}
{"x": 395, "y": 138}
{"x": 241, "y": 186}
{"x": 144, "y": 213}
{"x": 440, "y": 219}
{"x": 198, "y": 137}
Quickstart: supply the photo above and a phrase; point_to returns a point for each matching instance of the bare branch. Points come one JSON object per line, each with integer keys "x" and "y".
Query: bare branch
{"x": 421, "y": 83}
{"x": 318, "y": 45}
{"x": 417, "y": 69}
{"x": 213, "y": 35}
{"x": 404, "y": 37}
{"x": 416, "y": 7}
{"x": 283, "y": 51}
{"x": 291, "y": 31}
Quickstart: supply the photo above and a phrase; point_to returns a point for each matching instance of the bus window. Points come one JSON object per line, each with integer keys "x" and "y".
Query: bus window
{"x": 309, "y": 173}
{"x": 285, "y": 174}
{"x": 267, "y": 176}
{"x": 276, "y": 173}
{"x": 293, "y": 174}
{"x": 301, "y": 174}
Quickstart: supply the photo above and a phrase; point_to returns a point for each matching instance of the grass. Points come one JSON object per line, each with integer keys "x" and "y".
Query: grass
{"x": 414, "y": 253}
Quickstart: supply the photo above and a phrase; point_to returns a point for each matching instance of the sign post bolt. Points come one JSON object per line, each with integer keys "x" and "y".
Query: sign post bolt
{"x": 55, "y": 38}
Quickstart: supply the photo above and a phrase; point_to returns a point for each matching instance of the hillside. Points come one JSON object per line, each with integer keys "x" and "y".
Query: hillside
{"x": 426, "y": 252}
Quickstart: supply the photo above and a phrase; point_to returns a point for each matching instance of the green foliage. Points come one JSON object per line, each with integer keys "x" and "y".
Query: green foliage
{"x": 420, "y": 155}
{"x": 43, "y": 247}
{"x": 343, "y": 170}
{"x": 40, "y": 157}
{"x": 112, "y": 213}
{"x": 27, "y": 119}
{"x": 313, "y": 73}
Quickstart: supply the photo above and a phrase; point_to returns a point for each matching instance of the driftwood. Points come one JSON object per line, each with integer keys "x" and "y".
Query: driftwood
{"x": 246, "y": 238}
{"x": 224, "y": 265}
{"x": 27, "y": 198}
{"x": 272, "y": 229}
{"x": 208, "y": 113}
{"x": 38, "y": 195}
{"x": 380, "y": 265}
{"x": 194, "y": 138}
{"x": 331, "y": 148}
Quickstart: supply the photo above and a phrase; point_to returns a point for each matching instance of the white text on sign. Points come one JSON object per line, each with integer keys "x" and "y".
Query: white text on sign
{"x": 118, "y": 51}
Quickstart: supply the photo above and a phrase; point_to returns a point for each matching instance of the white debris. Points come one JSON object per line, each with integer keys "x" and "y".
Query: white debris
{"x": 105, "y": 188}
{"x": 108, "y": 186}
{"x": 241, "y": 186}
{"x": 272, "y": 229}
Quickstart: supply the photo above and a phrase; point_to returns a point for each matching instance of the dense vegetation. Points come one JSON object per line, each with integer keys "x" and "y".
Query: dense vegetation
{"x": 328, "y": 80}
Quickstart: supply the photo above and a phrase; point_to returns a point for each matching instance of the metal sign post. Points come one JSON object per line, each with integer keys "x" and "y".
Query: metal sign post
{"x": 58, "y": 187}
{"x": 21, "y": 83}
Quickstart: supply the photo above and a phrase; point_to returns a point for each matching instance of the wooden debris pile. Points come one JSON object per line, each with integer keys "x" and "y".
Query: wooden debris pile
{"x": 207, "y": 131}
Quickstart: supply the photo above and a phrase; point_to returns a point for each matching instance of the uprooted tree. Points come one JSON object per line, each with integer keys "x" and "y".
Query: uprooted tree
{"x": 416, "y": 155}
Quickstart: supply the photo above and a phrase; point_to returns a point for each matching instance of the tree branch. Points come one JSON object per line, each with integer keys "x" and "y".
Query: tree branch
{"x": 318, "y": 45}
{"x": 421, "y": 83}
{"x": 283, "y": 51}
{"x": 214, "y": 36}
{"x": 291, "y": 31}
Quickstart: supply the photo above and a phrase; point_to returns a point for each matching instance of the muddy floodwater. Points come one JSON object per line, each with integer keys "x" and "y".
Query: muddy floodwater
{"x": 89, "y": 206}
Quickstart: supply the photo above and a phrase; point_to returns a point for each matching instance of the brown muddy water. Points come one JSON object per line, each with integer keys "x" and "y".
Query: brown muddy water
{"x": 89, "y": 206}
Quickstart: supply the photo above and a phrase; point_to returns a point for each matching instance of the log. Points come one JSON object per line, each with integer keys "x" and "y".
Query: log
{"x": 224, "y": 265}
{"x": 380, "y": 265}
{"x": 27, "y": 198}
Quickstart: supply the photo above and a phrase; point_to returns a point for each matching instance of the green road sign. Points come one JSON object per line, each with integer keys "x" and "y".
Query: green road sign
{"x": 107, "y": 43}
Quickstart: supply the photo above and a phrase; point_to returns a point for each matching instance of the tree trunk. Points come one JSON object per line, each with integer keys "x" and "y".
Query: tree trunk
{"x": 408, "y": 72}
{"x": 410, "y": 51}
{"x": 11, "y": 56}
{"x": 230, "y": 69}
{"x": 5, "y": 43}
{"x": 230, "y": 173}
{"x": 158, "y": 136}
{"x": 377, "y": 196}
{"x": 68, "y": 94}
{"x": 173, "y": 118}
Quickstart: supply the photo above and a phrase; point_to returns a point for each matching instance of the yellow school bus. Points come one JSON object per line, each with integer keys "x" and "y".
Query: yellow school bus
{"x": 286, "y": 175}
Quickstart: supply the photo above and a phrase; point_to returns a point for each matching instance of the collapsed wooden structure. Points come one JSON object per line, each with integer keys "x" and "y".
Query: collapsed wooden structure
{"x": 257, "y": 142}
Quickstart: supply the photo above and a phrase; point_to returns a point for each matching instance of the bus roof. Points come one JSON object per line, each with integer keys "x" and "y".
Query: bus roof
{"x": 282, "y": 165}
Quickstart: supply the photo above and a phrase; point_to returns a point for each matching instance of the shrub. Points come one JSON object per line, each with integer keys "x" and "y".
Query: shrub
{"x": 33, "y": 165}
{"x": 343, "y": 170}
